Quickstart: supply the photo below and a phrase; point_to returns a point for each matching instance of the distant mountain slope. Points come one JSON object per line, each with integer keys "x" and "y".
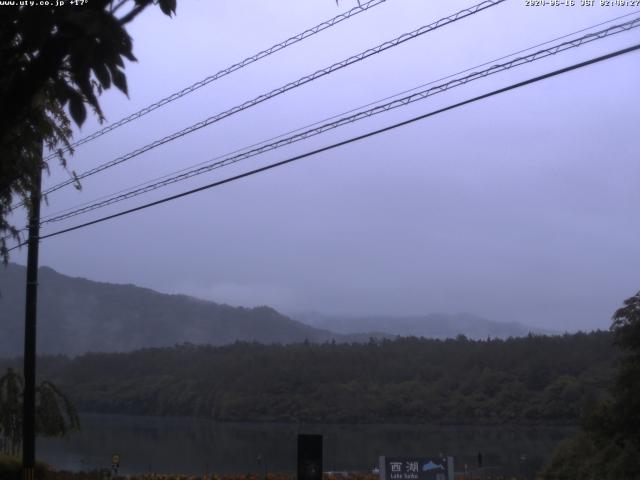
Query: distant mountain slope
{"x": 429, "y": 326}
{"x": 76, "y": 315}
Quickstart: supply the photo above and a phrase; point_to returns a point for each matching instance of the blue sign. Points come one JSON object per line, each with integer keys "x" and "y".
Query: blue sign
{"x": 416, "y": 468}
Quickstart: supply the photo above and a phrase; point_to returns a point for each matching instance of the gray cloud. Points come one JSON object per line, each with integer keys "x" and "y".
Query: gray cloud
{"x": 522, "y": 207}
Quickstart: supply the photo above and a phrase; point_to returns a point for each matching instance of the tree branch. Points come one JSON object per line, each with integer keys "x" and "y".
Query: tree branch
{"x": 137, "y": 10}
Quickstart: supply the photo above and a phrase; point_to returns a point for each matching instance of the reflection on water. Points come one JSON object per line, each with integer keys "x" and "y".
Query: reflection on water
{"x": 195, "y": 446}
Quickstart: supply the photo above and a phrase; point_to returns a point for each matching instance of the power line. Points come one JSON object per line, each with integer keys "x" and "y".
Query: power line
{"x": 289, "y": 86}
{"x": 195, "y": 170}
{"x": 319, "y": 122}
{"x": 222, "y": 73}
{"x": 346, "y": 142}
{"x": 421, "y": 95}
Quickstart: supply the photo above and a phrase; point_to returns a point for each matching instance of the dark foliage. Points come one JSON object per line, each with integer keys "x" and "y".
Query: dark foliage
{"x": 52, "y": 58}
{"x": 608, "y": 447}
{"x": 55, "y": 415}
{"x": 533, "y": 379}
{"x": 11, "y": 468}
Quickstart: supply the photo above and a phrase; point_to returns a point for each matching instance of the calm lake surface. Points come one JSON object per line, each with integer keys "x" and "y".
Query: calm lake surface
{"x": 196, "y": 446}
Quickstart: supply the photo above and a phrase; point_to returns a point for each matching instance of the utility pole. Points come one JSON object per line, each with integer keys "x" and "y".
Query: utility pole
{"x": 29, "y": 401}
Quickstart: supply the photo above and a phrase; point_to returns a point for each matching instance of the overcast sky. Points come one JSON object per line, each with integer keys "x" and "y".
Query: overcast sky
{"x": 522, "y": 207}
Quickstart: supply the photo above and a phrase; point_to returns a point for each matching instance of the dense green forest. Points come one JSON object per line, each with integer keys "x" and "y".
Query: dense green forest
{"x": 607, "y": 447}
{"x": 536, "y": 379}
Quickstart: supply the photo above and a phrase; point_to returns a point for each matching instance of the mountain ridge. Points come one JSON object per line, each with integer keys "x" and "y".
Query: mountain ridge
{"x": 434, "y": 325}
{"x": 78, "y": 315}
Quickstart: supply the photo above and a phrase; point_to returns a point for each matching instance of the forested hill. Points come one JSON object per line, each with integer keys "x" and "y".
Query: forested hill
{"x": 76, "y": 315}
{"x": 532, "y": 379}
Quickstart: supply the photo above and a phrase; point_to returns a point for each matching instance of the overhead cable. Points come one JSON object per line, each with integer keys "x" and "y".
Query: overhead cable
{"x": 319, "y": 122}
{"x": 421, "y": 95}
{"x": 222, "y": 73}
{"x": 344, "y": 142}
{"x": 289, "y": 86}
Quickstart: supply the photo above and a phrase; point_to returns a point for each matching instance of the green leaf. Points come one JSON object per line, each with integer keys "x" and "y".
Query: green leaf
{"x": 168, "y": 7}
{"x": 119, "y": 80}
{"x": 102, "y": 75}
{"x": 129, "y": 56}
{"x": 77, "y": 110}
{"x": 63, "y": 91}
{"x": 76, "y": 181}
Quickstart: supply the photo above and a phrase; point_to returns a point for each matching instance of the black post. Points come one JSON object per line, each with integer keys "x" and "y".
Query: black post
{"x": 309, "y": 457}
{"x": 263, "y": 461}
{"x": 29, "y": 402}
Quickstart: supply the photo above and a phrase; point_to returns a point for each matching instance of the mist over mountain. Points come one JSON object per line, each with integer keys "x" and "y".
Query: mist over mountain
{"x": 428, "y": 326}
{"x": 76, "y": 315}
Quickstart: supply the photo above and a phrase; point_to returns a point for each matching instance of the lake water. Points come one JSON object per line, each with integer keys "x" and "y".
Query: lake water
{"x": 196, "y": 446}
